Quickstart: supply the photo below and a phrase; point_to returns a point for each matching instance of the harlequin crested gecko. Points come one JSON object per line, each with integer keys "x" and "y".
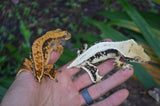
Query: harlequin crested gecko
{"x": 40, "y": 54}
{"x": 128, "y": 50}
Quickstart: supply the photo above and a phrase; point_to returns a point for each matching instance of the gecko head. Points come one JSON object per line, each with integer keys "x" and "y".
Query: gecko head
{"x": 138, "y": 55}
{"x": 58, "y": 33}
{"x": 67, "y": 35}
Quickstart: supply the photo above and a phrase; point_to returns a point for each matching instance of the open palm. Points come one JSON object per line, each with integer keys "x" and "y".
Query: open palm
{"x": 25, "y": 90}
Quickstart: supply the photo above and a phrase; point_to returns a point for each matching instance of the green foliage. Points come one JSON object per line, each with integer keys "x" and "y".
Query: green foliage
{"x": 11, "y": 56}
{"x": 70, "y": 54}
{"x": 143, "y": 29}
{"x": 107, "y": 31}
{"x": 26, "y": 33}
{"x": 4, "y": 85}
{"x": 147, "y": 32}
{"x": 157, "y": 1}
{"x": 20, "y": 21}
{"x": 143, "y": 76}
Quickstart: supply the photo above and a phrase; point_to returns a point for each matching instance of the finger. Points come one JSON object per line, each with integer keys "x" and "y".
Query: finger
{"x": 19, "y": 89}
{"x": 117, "y": 78}
{"x": 84, "y": 80}
{"x": 54, "y": 56}
{"x": 115, "y": 99}
{"x": 101, "y": 88}
{"x": 71, "y": 71}
{"x": 109, "y": 40}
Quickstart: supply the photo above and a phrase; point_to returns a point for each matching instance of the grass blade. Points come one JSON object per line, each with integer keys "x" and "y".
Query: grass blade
{"x": 151, "y": 18}
{"x": 146, "y": 30}
{"x": 142, "y": 75}
{"x": 107, "y": 31}
{"x": 25, "y": 32}
{"x": 4, "y": 85}
{"x": 128, "y": 25}
{"x": 157, "y": 1}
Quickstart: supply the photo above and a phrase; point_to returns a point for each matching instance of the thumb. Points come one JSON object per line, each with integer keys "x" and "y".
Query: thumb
{"x": 54, "y": 56}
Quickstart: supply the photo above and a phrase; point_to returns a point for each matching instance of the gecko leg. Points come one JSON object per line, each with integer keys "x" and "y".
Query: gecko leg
{"x": 51, "y": 72}
{"x": 92, "y": 71}
{"x": 121, "y": 64}
{"x": 55, "y": 45}
{"x": 58, "y": 48}
{"x": 26, "y": 65}
{"x": 82, "y": 49}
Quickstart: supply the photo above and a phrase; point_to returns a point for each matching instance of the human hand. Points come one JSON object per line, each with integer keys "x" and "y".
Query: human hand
{"x": 25, "y": 90}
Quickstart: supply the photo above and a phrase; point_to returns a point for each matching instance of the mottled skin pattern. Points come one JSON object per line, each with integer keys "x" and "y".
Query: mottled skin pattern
{"x": 41, "y": 50}
{"x": 128, "y": 50}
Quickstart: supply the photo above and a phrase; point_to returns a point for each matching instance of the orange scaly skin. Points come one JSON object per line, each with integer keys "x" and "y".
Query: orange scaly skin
{"x": 41, "y": 50}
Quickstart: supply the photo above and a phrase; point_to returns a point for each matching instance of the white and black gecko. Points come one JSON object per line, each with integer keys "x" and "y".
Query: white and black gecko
{"x": 129, "y": 50}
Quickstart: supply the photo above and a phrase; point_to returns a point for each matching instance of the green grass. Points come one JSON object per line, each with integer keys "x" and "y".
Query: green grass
{"x": 28, "y": 20}
{"x": 144, "y": 30}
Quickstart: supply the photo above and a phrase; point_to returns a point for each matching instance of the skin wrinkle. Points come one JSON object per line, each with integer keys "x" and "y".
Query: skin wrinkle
{"x": 102, "y": 71}
{"x": 81, "y": 81}
{"x": 108, "y": 102}
{"x": 71, "y": 71}
{"x": 47, "y": 88}
{"x": 121, "y": 94}
{"x": 104, "y": 50}
{"x": 93, "y": 90}
{"x": 114, "y": 96}
{"x": 41, "y": 52}
{"x": 61, "y": 92}
{"x": 53, "y": 60}
{"x": 113, "y": 79}
{"x": 56, "y": 86}
{"x": 28, "y": 77}
{"x": 101, "y": 67}
{"x": 63, "y": 84}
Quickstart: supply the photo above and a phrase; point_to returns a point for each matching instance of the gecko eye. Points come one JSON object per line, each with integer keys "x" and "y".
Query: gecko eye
{"x": 137, "y": 58}
{"x": 66, "y": 33}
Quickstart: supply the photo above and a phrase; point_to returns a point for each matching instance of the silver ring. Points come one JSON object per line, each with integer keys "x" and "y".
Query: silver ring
{"x": 86, "y": 96}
